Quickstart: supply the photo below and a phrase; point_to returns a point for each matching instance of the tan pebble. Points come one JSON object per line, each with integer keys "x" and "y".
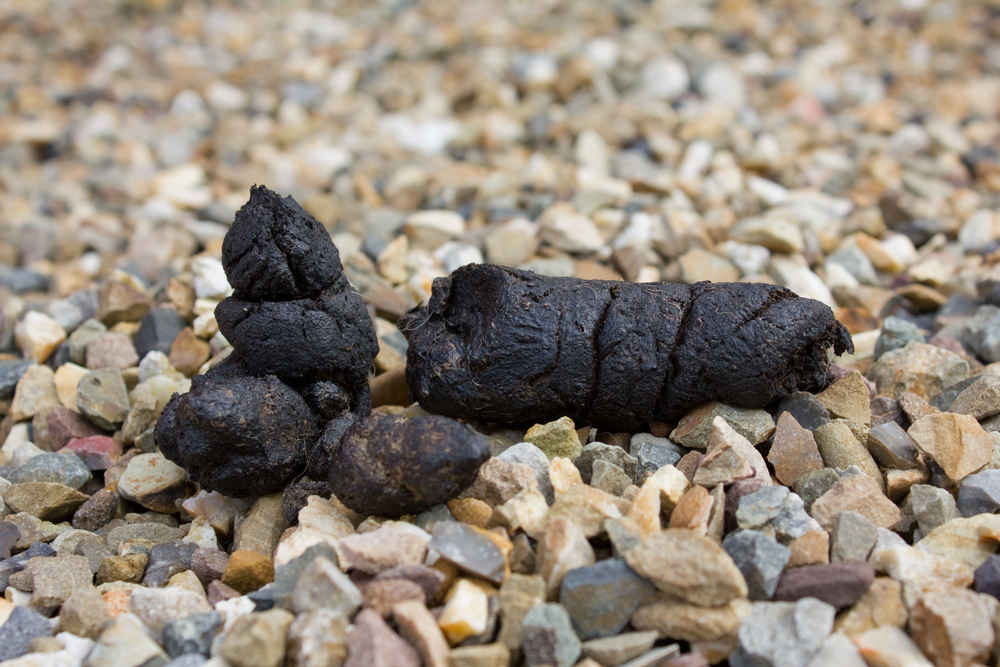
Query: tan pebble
{"x": 471, "y": 510}
{"x": 693, "y": 510}
{"x": 247, "y": 570}
{"x": 687, "y": 565}
{"x": 793, "y": 450}
{"x": 860, "y": 493}
{"x": 954, "y": 627}
{"x": 809, "y": 549}
{"x": 881, "y": 604}
{"x": 563, "y": 547}
{"x": 658, "y": 494}
{"x": 465, "y": 612}
{"x": 956, "y": 442}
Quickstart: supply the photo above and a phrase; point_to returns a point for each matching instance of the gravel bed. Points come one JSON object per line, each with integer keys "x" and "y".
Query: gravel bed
{"x": 845, "y": 150}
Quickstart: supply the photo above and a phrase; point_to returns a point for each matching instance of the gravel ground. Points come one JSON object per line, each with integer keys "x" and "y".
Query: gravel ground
{"x": 846, "y": 150}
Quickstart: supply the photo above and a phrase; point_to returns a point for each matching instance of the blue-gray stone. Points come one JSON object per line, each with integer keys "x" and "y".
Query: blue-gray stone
{"x": 20, "y": 280}
{"x": 979, "y": 493}
{"x": 16, "y": 563}
{"x": 75, "y": 309}
{"x": 760, "y": 558}
{"x": 601, "y": 598}
{"x": 987, "y": 577}
{"x": 982, "y": 333}
{"x": 11, "y": 371}
{"x": 760, "y": 507}
{"x": 191, "y": 634}
{"x": 279, "y": 592}
{"x": 21, "y": 627}
{"x": 652, "y": 453}
{"x": 548, "y": 637}
{"x": 67, "y": 469}
{"x": 896, "y": 333}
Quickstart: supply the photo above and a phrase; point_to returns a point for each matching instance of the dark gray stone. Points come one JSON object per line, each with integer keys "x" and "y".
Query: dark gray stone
{"x": 11, "y": 371}
{"x": 467, "y": 549}
{"x": 981, "y": 333}
{"x": 21, "y": 627}
{"x": 157, "y": 331}
{"x": 192, "y": 634}
{"x": 807, "y": 410}
{"x": 20, "y": 280}
{"x": 979, "y": 493}
{"x": 760, "y": 558}
{"x": 279, "y": 592}
{"x": 166, "y": 560}
{"x": 892, "y": 447}
{"x": 9, "y": 535}
{"x": 987, "y": 577}
{"x": 601, "y": 598}
{"x": 652, "y": 453}
{"x": 947, "y": 396}
{"x": 814, "y": 484}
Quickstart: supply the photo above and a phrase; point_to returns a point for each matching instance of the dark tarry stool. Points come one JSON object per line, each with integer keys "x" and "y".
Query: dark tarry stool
{"x": 506, "y": 346}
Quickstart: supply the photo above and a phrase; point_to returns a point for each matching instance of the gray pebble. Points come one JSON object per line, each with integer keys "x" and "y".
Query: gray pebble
{"x": 806, "y": 408}
{"x": 760, "y": 507}
{"x": 890, "y": 445}
{"x": 896, "y": 333}
{"x": 783, "y": 634}
{"x": 549, "y": 638}
{"x": 467, "y": 549}
{"x": 166, "y": 560}
{"x": 929, "y": 506}
{"x": 533, "y": 457}
{"x": 852, "y": 537}
{"x": 192, "y": 634}
{"x": 814, "y": 484}
{"x": 66, "y": 469}
{"x": 611, "y": 453}
{"x": 601, "y": 598}
{"x": 760, "y": 558}
{"x": 979, "y": 493}
{"x": 652, "y": 453}
{"x": 21, "y": 627}
{"x": 11, "y": 371}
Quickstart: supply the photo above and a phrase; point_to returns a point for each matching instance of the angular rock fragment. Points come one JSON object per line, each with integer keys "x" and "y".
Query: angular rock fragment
{"x": 510, "y": 346}
{"x": 837, "y": 584}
